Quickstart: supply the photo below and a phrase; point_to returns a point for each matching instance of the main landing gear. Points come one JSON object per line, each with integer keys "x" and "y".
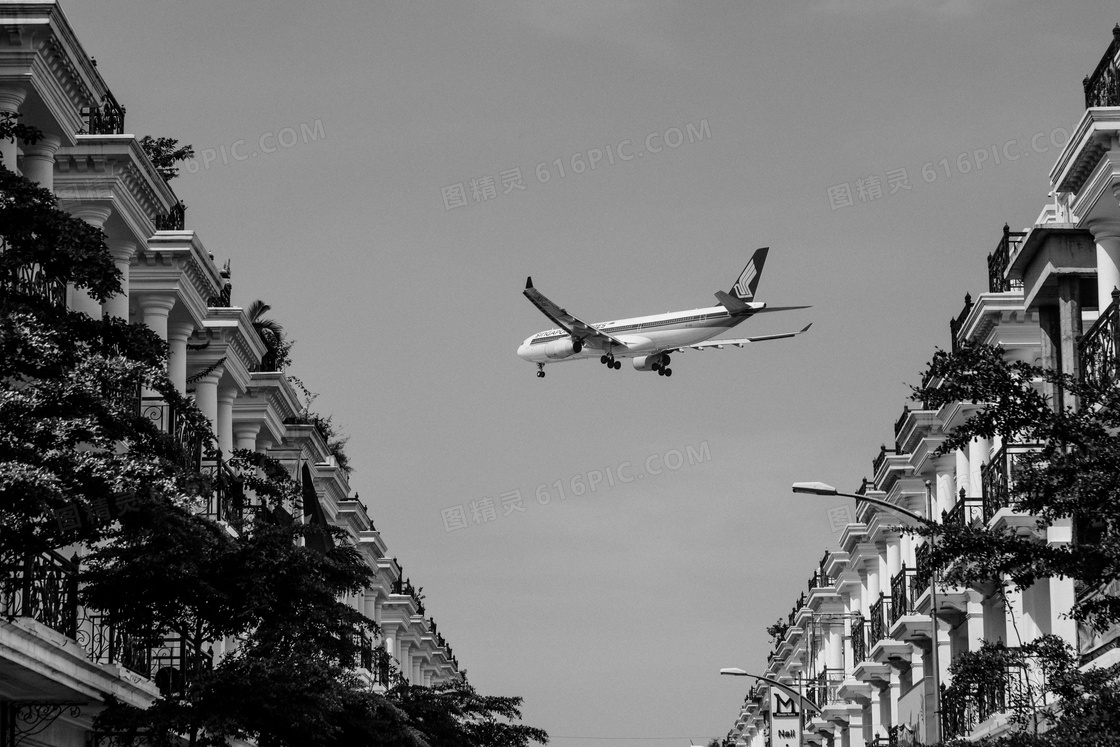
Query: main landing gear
{"x": 662, "y": 366}
{"x": 609, "y": 361}
{"x": 540, "y": 370}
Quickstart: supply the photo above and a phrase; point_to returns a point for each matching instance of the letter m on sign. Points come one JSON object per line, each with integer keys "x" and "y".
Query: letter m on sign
{"x": 784, "y": 706}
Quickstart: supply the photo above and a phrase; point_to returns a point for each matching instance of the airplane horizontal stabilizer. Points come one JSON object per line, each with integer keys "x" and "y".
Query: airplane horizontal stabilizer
{"x": 732, "y": 304}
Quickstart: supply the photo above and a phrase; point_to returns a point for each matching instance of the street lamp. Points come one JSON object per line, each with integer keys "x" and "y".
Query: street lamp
{"x": 820, "y": 488}
{"x": 805, "y": 702}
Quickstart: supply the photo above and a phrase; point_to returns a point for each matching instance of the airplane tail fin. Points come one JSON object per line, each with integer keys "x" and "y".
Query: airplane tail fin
{"x": 742, "y": 293}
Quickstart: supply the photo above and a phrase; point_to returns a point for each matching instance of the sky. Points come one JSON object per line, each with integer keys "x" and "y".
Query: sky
{"x": 878, "y": 147}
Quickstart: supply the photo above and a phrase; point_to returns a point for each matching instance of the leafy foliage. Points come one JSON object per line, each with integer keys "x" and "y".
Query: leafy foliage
{"x": 1071, "y": 477}
{"x": 71, "y": 434}
{"x": 454, "y": 715}
{"x": 1086, "y": 710}
{"x": 165, "y": 153}
{"x": 278, "y": 348}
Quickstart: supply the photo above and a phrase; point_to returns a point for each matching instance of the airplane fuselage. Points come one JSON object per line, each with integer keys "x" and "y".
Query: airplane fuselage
{"x": 641, "y": 335}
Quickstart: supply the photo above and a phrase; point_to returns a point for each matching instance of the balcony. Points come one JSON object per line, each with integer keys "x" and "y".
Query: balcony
{"x": 1102, "y": 88}
{"x": 226, "y": 499}
{"x": 966, "y": 513}
{"x": 859, "y": 638}
{"x": 904, "y": 593}
{"x": 29, "y": 281}
{"x": 405, "y": 588}
{"x": 175, "y": 220}
{"x": 107, "y": 119}
{"x": 823, "y": 690}
{"x": 995, "y": 485}
{"x": 1097, "y": 349}
{"x": 962, "y": 710}
{"x": 44, "y": 588}
{"x": 189, "y": 438}
{"x": 955, "y": 325}
{"x": 820, "y": 578}
{"x": 999, "y": 259}
{"x": 877, "y": 629}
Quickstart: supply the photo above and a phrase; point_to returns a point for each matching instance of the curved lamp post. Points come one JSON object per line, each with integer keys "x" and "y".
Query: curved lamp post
{"x": 805, "y": 702}
{"x": 820, "y": 488}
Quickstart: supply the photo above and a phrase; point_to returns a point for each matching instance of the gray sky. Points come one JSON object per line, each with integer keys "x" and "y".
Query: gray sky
{"x": 612, "y": 612}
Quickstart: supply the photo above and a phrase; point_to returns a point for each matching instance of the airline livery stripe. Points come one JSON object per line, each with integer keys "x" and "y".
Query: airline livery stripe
{"x": 642, "y": 325}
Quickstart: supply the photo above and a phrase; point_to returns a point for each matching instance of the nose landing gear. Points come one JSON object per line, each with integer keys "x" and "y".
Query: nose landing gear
{"x": 540, "y": 370}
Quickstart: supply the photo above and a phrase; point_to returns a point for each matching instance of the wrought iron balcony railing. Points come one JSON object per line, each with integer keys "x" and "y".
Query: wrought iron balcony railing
{"x": 1102, "y": 88}
{"x": 109, "y": 643}
{"x": 824, "y": 689}
{"x": 859, "y": 638}
{"x": 174, "y": 220}
{"x": 1098, "y": 348}
{"x": 820, "y": 580}
{"x": 43, "y": 587}
{"x": 405, "y": 588}
{"x": 30, "y": 281}
{"x": 189, "y": 438}
{"x": 956, "y": 324}
{"x": 966, "y": 512}
{"x": 962, "y": 709}
{"x": 903, "y": 593}
{"x": 877, "y": 620}
{"x": 106, "y": 119}
{"x": 226, "y": 500}
{"x": 1000, "y": 258}
{"x": 994, "y": 481}
{"x": 177, "y": 662}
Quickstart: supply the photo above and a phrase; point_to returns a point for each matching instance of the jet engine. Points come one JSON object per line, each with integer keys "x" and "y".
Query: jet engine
{"x": 651, "y": 362}
{"x": 562, "y": 348}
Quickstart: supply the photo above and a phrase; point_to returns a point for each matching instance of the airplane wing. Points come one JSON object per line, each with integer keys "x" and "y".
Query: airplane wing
{"x": 737, "y": 342}
{"x": 576, "y": 327}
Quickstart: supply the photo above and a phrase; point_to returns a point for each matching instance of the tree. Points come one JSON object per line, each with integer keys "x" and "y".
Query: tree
{"x": 165, "y": 153}
{"x": 1081, "y": 708}
{"x": 454, "y": 715}
{"x": 80, "y": 466}
{"x": 1072, "y": 474}
{"x": 277, "y": 347}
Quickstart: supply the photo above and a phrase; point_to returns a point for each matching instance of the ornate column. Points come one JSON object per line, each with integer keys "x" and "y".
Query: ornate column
{"x": 873, "y": 588}
{"x": 206, "y": 396}
{"x": 38, "y": 161}
{"x": 226, "y": 396}
{"x": 177, "y": 335}
{"x": 1106, "y": 235}
{"x": 979, "y": 450}
{"x": 1062, "y": 594}
{"x": 834, "y": 640}
{"x": 974, "y": 620}
{"x": 406, "y": 661}
{"x": 80, "y": 300}
{"x": 944, "y": 650}
{"x": 894, "y": 554}
{"x": 945, "y": 495}
{"x": 154, "y": 309}
{"x": 245, "y": 437}
{"x": 962, "y": 472}
{"x": 10, "y": 99}
{"x": 122, "y": 251}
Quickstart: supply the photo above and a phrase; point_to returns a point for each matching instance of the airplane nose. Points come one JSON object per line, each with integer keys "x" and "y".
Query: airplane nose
{"x": 523, "y": 350}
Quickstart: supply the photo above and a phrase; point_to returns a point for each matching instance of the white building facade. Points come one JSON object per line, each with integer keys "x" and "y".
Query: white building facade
{"x": 57, "y": 659}
{"x": 860, "y": 641}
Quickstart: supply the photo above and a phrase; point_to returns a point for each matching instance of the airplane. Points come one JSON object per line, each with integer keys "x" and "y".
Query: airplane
{"x": 649, "y": 340}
